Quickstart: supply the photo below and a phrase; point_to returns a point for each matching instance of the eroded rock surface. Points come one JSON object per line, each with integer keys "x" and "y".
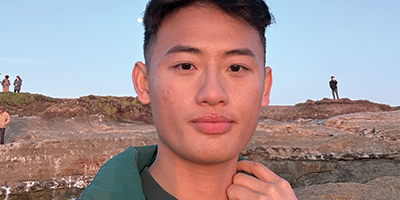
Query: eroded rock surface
{"x": 383, "y": 125}
{"x": 317, "y": 152}
{"x": 47, "y": 152}
{"x": 313, "y": 155}
{"x": 380, "y": 188}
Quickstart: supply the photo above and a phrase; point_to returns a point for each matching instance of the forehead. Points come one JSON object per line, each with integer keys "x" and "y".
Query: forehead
{"x": 207, "y": 28}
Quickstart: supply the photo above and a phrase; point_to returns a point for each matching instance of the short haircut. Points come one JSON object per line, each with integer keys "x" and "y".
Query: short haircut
{"x": 254, "y": 12}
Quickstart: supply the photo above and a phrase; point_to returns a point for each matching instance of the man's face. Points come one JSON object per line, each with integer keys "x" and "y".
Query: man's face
{"x": 205, "y": 83}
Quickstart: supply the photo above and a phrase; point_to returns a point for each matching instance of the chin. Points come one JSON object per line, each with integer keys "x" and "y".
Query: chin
{"x": 215, "y": 159}
{"x": 216, "y": 155}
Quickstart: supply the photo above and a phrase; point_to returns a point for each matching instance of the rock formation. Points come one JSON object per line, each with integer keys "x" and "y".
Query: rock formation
{"x": 322, "y": 109}
{"x": 345, "y": 156}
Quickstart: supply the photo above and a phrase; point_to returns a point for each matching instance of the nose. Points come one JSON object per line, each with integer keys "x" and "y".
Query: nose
{"x": 212, "y": 91}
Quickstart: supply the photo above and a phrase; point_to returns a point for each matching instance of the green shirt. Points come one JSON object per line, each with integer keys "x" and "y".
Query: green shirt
{"x": 120, "y": 178}
{"x": 151, "y": 189}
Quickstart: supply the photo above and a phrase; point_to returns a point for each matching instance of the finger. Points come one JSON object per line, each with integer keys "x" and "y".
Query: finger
{"x": 258, "y": 170}
{"x": 256, "y": 185}
{"x": 238, "y": 192}
{"x": 249, "y": 182}
{"x": 275, "y": 183}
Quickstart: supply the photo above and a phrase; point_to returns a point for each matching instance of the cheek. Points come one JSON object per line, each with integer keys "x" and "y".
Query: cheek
{"x": 166, "y": 100}
{"x": 248, "y": 101}
{"x": 249, "y": 96}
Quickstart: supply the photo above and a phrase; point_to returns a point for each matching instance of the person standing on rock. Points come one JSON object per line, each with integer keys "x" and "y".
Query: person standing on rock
{"x": 6, "y": 83}
{"x": 333, "y": 84}
{"x": 206, "y": 79}
{"x": 17, "y": 84}
{"x": 4, "y": 120}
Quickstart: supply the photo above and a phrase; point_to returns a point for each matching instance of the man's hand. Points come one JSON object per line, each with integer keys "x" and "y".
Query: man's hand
{"x": 267, "y": 185}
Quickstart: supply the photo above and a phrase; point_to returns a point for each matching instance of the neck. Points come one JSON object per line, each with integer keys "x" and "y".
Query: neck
{"x": 188, "y": 180}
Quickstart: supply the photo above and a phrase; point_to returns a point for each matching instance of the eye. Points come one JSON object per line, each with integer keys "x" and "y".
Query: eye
{"x": 185, "y": 66}
{"x": 236, "y": 68}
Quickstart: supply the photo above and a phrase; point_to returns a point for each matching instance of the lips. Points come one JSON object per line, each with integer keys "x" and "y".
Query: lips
{"x": 212, "y": 124}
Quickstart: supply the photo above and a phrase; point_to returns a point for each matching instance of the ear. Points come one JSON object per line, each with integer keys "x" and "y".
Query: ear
{"x": 267, "y": 86}
{"x": 139, "y": 79}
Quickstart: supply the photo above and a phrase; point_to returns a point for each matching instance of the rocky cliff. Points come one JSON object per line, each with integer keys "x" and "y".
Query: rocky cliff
{"x": 328, "y": 150}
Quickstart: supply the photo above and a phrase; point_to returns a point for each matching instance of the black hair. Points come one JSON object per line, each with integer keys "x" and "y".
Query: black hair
{"x": 254, "y": 12}
{"x": 6, "y": 76}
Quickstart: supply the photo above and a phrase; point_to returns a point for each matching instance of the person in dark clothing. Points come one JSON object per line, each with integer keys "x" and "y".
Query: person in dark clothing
{"x": 333, "y": 84}
{"x": 17, "y": 84}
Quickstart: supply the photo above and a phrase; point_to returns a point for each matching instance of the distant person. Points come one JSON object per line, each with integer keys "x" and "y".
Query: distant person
{"x": 17, "y": 84}
{"x": 333, "y": 84}
{"x": 6, "y": 84}
{"x": 4, "y": 120}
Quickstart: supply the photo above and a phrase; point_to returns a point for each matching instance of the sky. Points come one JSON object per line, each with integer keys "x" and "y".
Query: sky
{"x": 69, "y": 49}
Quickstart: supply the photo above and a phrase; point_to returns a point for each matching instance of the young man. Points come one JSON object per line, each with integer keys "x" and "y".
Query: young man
{"x": 206, "y": 79}
{"x": 333, "y": 84}
{"x": 4, "y": 120}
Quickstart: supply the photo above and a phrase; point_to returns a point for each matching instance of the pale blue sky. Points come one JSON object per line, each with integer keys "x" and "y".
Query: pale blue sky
{"x": 79, "y": 47}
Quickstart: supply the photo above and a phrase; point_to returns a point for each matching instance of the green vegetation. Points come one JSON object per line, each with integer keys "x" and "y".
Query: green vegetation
{"x": 299, "y": 104}
{"x": 118, "y": 108}
{"x": 110, "y": 105}
{"x": 138, "y": 104}
{"x": 20, "y": 100}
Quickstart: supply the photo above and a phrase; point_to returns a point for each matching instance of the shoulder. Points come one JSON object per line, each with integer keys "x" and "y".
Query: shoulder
{"x": 120, "y": 176}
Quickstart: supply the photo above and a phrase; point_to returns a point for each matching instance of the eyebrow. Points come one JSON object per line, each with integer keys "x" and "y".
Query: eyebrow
{"x": 182, "y": 49}
{"x": 190, "y": 49}
{"x": 240, "y": 52}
